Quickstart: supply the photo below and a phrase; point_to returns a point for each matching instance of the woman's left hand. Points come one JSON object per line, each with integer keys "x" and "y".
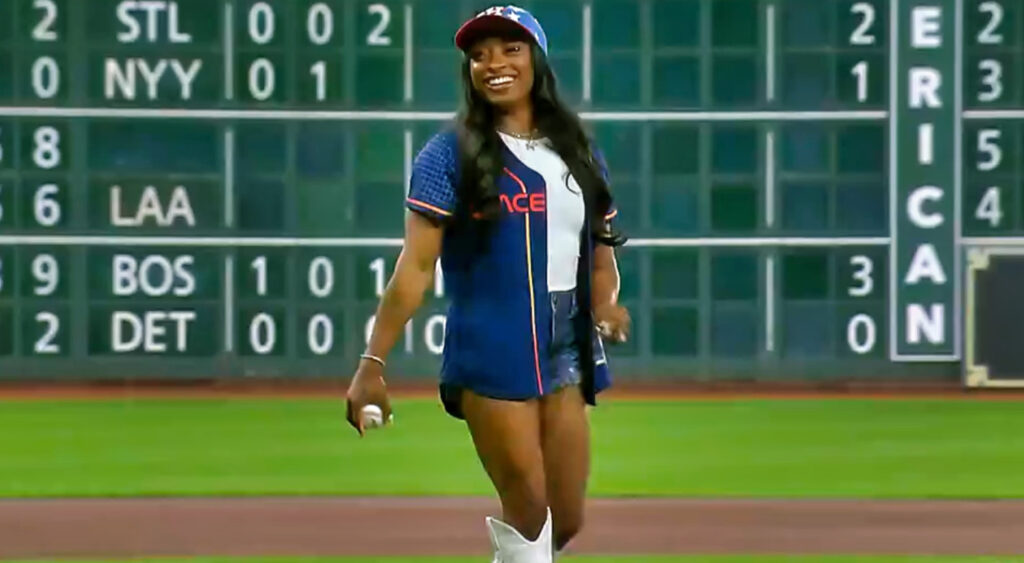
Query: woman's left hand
{"x": 613, "y": 322}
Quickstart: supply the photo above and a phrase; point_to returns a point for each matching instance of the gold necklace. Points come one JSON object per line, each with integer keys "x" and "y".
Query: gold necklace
{"x": 531, "y": 138}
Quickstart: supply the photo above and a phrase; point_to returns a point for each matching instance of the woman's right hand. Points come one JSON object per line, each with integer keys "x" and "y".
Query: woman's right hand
{"x": 367, "y": 388}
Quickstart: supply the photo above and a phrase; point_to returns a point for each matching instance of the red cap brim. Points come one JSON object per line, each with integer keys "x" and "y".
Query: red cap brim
{"x": 483, "y": 26}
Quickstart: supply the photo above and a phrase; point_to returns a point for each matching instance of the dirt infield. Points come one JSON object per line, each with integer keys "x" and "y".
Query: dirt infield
{"x": 454, "y": 526}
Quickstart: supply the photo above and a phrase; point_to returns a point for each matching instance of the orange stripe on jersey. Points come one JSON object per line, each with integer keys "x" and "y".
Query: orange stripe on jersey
{"x": 533, "y": 301}
{"x": 429, "y": 207}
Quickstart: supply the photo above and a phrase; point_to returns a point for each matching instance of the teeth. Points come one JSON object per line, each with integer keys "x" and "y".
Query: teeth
{"x": 500, "y": 80}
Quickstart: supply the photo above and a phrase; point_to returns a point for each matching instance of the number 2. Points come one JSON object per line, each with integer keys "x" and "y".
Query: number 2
{"x": 376, "y": 36}
{"x": 860, "y": 35}
{"x": 45, "y": 344}
{"x": 988, "y": 35}
{"x": 44, "y": 29}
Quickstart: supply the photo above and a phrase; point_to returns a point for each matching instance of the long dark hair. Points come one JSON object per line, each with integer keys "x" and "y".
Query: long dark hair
{"x": 481, "y": 157}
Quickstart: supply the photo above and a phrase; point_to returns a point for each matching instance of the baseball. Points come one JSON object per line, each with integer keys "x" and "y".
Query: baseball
{"x": 372, "y": 416}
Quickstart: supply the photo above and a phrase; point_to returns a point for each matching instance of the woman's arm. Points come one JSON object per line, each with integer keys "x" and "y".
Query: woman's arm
{"x": 403, "y": 295}
{"x": 606, "y": 276}
{"x": 414, "y": 273}
{"x": 612, "y": 319}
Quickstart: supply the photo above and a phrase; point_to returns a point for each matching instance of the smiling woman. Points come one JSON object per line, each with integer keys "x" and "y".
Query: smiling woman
{"x": 515, "y": 202}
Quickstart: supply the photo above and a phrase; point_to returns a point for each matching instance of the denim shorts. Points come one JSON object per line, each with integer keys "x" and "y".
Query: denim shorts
{"x": 565, "y": 353}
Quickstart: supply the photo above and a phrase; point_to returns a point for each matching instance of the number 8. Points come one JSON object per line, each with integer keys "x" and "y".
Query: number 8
{"x": 47, "y": 151}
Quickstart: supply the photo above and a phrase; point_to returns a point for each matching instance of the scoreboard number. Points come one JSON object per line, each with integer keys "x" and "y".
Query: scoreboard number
{"x": 46, "y": 271}
{"x": 259, "y": 266}
{"x": 319, "y": 72}
{"x": 320, "y": 24}
{"x": 46, "y": 154}
{"x": 261, "y": 23}
{"x": 45, "y": 77}
{"x": 988, "y": 35}
{"x": 990, "y": 207}
{"x": 860, "y": 72}
{"x": 320, "y": 334}
{"x": 377, "y": 37}
{"x": 861, "y": 333}
{"x": 861, "y": 34}
{"x": 988, "y": 145}
{"x": 992, "y": 77}
{"x": 262, "y": 333}
{"x": 45, "y": 207}
{"x": 45, "y": 343}
{"x": 261, "y": 79}
{"x": 864, "y": 268}
{"x": 321, "y": 277}
{"x": 43, "y": 30}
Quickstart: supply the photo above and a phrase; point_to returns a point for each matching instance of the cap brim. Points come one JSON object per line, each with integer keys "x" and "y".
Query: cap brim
{"x": 485, "y": 26}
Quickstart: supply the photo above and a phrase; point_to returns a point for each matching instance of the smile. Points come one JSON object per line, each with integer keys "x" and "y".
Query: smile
{"x": 499, "y": 82}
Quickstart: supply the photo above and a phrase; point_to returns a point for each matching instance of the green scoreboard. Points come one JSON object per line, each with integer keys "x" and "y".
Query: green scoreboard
{"x": 203, "y": 188}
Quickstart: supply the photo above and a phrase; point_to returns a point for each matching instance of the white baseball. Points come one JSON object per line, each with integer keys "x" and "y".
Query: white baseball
{"x": 372, "y": 416}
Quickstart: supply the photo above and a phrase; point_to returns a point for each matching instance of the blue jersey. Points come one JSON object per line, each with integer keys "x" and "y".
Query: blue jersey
{"x": 508, "y": 296}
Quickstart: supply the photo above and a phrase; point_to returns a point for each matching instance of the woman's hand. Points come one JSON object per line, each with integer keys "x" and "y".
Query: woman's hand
{"x": 367, "y": 388}
{"x": 613, "y": 322}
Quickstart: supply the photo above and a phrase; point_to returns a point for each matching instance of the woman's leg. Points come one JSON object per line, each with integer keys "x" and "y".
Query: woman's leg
{"x": 566, "y": 446}
{"x": 507, "y": 436}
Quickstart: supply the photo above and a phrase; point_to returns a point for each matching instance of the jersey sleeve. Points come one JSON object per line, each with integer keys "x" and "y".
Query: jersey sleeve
{"x": 432, "y": 184}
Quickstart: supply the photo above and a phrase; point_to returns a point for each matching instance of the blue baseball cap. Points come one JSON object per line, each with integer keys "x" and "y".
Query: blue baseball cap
{"x": 498, "y": 18}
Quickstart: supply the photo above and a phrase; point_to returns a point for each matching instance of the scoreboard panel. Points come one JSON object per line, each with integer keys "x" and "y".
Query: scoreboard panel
{"x": 211, "y": 189}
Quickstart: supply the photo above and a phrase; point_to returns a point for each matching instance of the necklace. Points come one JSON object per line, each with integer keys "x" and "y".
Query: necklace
{"x": 530, "y": 138}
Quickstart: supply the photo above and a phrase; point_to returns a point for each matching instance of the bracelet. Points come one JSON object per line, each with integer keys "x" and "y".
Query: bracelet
{"x": 373, "y": 358}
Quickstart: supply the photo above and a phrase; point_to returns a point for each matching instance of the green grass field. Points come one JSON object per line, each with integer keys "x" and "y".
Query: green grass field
{"x": 790, "y": 448}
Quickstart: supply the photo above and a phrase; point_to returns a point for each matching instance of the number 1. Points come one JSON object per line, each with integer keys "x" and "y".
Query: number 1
{"x": 260, "y": 265}
{"x": 319, "y": 72}
{"x": 860, "y": 71}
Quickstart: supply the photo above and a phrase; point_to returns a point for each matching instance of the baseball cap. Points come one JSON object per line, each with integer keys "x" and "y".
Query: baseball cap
{"x": 498, "y": 18}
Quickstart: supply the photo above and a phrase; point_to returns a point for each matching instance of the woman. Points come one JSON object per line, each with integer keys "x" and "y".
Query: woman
{"x": 516, "y": 205}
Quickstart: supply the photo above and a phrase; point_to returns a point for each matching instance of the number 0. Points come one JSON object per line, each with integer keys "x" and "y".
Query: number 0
{"x": 860, "y": 333}
{"x": 262, "y": 333}
{"x": 45, "y": 77}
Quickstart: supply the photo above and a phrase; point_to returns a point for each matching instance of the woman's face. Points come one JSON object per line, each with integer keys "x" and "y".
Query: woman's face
{"x": 502, "y": 70}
